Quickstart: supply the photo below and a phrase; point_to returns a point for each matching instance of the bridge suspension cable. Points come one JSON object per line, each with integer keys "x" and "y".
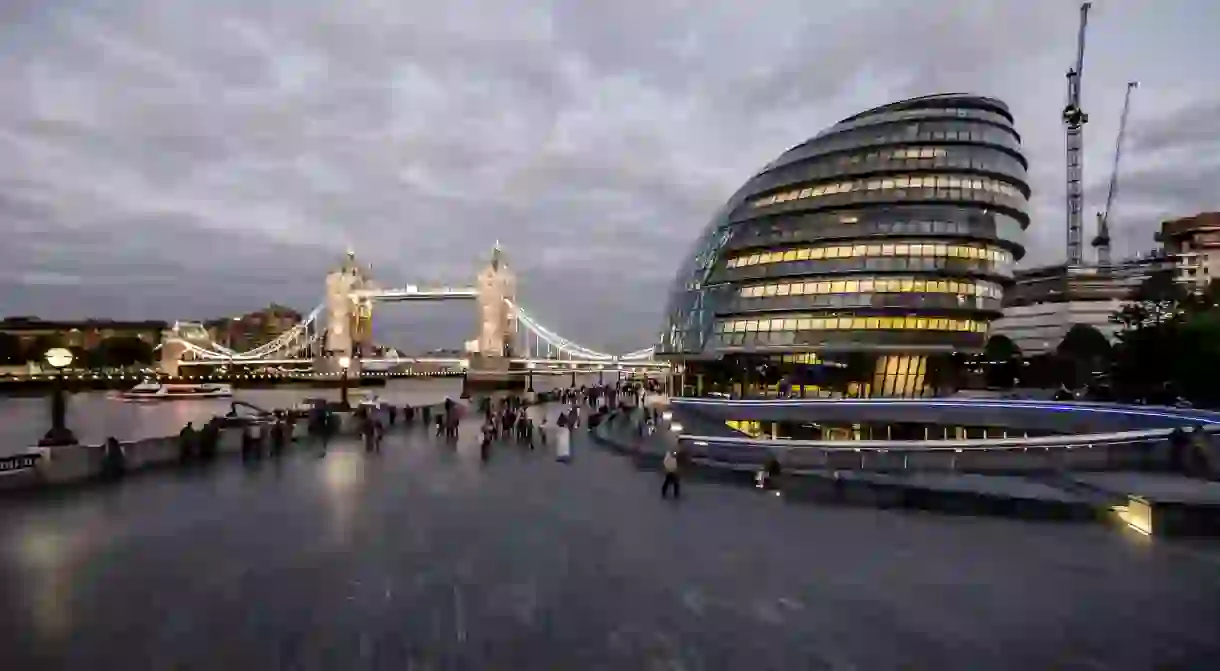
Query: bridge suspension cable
{"x": 288, "y": 341}
{"x": 555, "y": 340}
{"x": 646, "y": 353}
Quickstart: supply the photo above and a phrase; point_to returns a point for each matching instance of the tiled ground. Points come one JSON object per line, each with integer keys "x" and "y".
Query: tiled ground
{"x": 425, "y": 558}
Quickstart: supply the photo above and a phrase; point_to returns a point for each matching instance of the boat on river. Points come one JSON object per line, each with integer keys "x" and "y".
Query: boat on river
{"x": 158, "y": 391}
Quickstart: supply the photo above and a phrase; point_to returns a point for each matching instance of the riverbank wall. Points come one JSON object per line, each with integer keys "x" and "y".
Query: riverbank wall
{"x": 86, "y": 381}
{"x": 42, "y": 467}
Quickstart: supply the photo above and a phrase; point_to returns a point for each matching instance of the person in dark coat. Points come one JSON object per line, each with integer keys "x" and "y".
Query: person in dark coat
{"x": 114, "y": 459}
{"x": 277, "y": 437}
{"x": 186, "y": 443}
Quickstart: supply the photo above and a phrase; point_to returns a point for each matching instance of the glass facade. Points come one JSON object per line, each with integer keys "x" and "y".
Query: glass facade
{"x": 890, "y": 236}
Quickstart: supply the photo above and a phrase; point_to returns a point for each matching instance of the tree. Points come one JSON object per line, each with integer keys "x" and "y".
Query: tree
{"x": 1197, "y": 357}
{"x": 1156, "y": 301}
{"x": 121, "y": 351}
{"x": 1161, "y": 351}
{"x": 1207, "y": 299}
{"x": 11, "y": 352}
{"x": 1004, "y": 361}
{"x": 1083, "y": 352}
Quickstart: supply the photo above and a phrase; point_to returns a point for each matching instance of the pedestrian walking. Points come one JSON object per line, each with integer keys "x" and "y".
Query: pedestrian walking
{"x": 278, "y": 437}
{"x": 672, "y": 479}
{"x": 330, "y": 426}
{"x": 114, "y": 459}
{"x": 186, "y": 443}
{"x": 485, "y": 435}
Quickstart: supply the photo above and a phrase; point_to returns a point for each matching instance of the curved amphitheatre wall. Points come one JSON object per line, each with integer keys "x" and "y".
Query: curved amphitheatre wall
{"x": 1044, "y": 416}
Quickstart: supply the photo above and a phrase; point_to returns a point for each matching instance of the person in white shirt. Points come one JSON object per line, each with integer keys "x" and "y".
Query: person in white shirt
{"x": 671, "y": 475}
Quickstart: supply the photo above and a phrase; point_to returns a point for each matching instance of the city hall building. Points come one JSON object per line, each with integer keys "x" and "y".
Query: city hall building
{"x": 864, "y": 261}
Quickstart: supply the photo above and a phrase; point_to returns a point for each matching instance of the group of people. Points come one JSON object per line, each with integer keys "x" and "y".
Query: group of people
{"x": 507, "y": 418}
{"x": 202, "y": 444}
{"x": 504, "y": 419}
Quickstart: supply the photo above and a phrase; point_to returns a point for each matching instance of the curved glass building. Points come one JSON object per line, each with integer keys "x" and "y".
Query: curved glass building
{"x": 860, "y": 261}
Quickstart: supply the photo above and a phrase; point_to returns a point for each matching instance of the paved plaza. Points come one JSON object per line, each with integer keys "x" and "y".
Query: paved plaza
{"x": 423, "y": 557}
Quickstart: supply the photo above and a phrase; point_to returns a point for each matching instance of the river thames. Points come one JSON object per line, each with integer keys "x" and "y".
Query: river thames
{"x": 94, "y": 416}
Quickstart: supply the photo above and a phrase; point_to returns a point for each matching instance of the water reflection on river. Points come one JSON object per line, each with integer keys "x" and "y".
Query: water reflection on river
{"x": 94, "y": 417}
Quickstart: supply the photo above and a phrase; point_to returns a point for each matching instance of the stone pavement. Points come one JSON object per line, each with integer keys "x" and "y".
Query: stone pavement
{"x": 425, "y": 558}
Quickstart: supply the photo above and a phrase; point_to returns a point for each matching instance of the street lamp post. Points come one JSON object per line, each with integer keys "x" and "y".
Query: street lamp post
{"x": 345, "y": 362}
{"x": 464, "y": 364}
{"x": 59, "y": 358}
{"x": 529, "y": 377}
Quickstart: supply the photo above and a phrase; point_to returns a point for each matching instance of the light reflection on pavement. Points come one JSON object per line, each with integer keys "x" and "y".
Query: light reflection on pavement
{"x": 424, "y": 555}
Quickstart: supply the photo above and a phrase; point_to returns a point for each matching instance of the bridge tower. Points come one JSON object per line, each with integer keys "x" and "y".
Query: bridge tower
{"x": 348, "y": 321}
{"x": 497, "y": 321}
{"x": 173, "y": 349}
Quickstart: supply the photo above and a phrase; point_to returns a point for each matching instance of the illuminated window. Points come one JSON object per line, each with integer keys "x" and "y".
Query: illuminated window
{"x": 912, "y": 249}
{"x": 795, "y": 323}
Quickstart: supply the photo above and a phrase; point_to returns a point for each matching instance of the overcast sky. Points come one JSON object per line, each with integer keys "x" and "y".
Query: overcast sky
{"x": 191, "y": 158}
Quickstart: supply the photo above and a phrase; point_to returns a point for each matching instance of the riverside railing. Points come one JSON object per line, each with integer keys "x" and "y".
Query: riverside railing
{"x": 1108, "y": 451}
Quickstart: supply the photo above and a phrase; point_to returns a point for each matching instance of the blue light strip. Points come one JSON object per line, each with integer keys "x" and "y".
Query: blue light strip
{"x": 1189, "y": 416}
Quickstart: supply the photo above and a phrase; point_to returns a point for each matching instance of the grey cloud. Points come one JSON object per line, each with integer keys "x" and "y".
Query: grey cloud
{"x": 186, "y": 159}
{"x": 1195, "y": 126}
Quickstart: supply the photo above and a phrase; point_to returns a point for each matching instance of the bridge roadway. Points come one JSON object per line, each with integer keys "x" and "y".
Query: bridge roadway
{"x": 422, "y": 557}
{"x": 548, "y": 365}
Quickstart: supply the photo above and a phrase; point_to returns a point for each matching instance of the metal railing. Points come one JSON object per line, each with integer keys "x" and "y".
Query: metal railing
{"x": 1129, "y": 449}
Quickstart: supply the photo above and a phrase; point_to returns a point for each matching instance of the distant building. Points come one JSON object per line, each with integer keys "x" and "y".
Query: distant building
{"x": 245, "y": 332}
{"x": 1044, "y": 303}
{"x": 1194, "y": 245}
{"x": 83, "y": 334}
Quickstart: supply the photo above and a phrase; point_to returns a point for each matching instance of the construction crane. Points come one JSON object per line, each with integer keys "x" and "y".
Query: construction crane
{"x": 1074, "y": 119}
{"x": 1102, "y": 241}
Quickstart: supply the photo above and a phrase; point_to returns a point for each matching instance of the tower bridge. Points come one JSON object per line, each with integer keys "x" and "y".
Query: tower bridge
{"x": 337, "y": 334}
